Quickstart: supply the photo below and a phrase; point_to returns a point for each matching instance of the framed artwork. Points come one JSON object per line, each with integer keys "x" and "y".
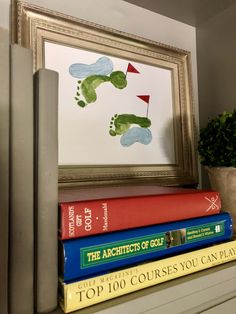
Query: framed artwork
{"x": 125, "y": 102}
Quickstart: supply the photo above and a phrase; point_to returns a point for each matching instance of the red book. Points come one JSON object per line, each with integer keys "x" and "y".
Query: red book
{"x": 88, "y": 211}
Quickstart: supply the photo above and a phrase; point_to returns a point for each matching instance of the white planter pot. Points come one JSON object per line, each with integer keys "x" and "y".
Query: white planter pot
{"x": 223, "y": 180}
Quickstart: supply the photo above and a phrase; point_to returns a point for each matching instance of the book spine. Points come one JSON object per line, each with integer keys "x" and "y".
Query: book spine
{"x": 85, "y": 218}
{"x": 4, "y": 166}
{"x": 21, "y": 244}
{"x": 87, "y": 292}
{"x": 91, "y": 255}
{"x": 46, "y": 188}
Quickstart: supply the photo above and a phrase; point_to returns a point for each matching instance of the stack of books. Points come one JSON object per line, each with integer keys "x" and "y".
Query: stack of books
{"x": 116, "y": 240}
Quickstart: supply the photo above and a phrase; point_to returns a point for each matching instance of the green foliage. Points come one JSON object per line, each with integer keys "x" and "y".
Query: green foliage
{"x": 217, "y": 143}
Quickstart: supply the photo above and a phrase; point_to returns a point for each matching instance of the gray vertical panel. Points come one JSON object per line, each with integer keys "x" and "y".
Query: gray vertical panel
{"x": 46, "y": 187}
{"x": 4, "y": 166}
{"x": 21, "y": 182}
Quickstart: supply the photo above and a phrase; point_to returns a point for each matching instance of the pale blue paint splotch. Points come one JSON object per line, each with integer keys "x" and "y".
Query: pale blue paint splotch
{"x": 136, "y": 135}
{"x": 103, "y": 66}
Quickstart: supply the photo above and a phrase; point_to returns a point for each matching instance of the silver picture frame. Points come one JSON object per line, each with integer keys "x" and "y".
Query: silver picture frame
{"x": 35, "y": 25}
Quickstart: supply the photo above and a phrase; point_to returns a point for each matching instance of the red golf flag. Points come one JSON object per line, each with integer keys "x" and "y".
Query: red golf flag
{"x": 144, "y": 98}
{"x": 131, "y": 68}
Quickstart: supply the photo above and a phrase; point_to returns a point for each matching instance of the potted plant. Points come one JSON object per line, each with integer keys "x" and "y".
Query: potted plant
{"x": 217, "y": 150}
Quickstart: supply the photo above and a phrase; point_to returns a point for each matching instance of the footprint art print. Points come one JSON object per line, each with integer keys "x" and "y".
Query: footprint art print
{"x": 132, "y": 128}
{"x": 91, "y": 76}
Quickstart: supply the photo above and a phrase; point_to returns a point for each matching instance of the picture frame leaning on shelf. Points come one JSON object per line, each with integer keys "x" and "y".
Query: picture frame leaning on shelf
{"x": 125, "y": 102}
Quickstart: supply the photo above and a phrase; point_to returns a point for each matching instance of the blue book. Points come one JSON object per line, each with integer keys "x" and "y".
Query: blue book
{"x": 87, "y": 256}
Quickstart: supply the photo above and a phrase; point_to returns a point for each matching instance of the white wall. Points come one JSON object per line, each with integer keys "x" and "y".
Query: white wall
{"x": 4, "y": 13}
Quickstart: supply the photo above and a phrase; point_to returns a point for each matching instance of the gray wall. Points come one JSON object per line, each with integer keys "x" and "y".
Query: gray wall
{"x": 216, "y": 58}
{"x": 216, "y": 52}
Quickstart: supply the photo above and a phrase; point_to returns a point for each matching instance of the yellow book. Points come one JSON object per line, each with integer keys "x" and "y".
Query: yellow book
{"x": 94, "y": 290}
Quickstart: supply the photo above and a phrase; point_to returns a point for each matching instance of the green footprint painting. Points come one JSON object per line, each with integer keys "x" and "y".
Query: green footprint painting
{"x": 121, "y": 123}
{"x": 88, "y": 86}
{"x": 93, "y": 76}
{"x": 130, "y": 127}
{"x": 133, "y": 129}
